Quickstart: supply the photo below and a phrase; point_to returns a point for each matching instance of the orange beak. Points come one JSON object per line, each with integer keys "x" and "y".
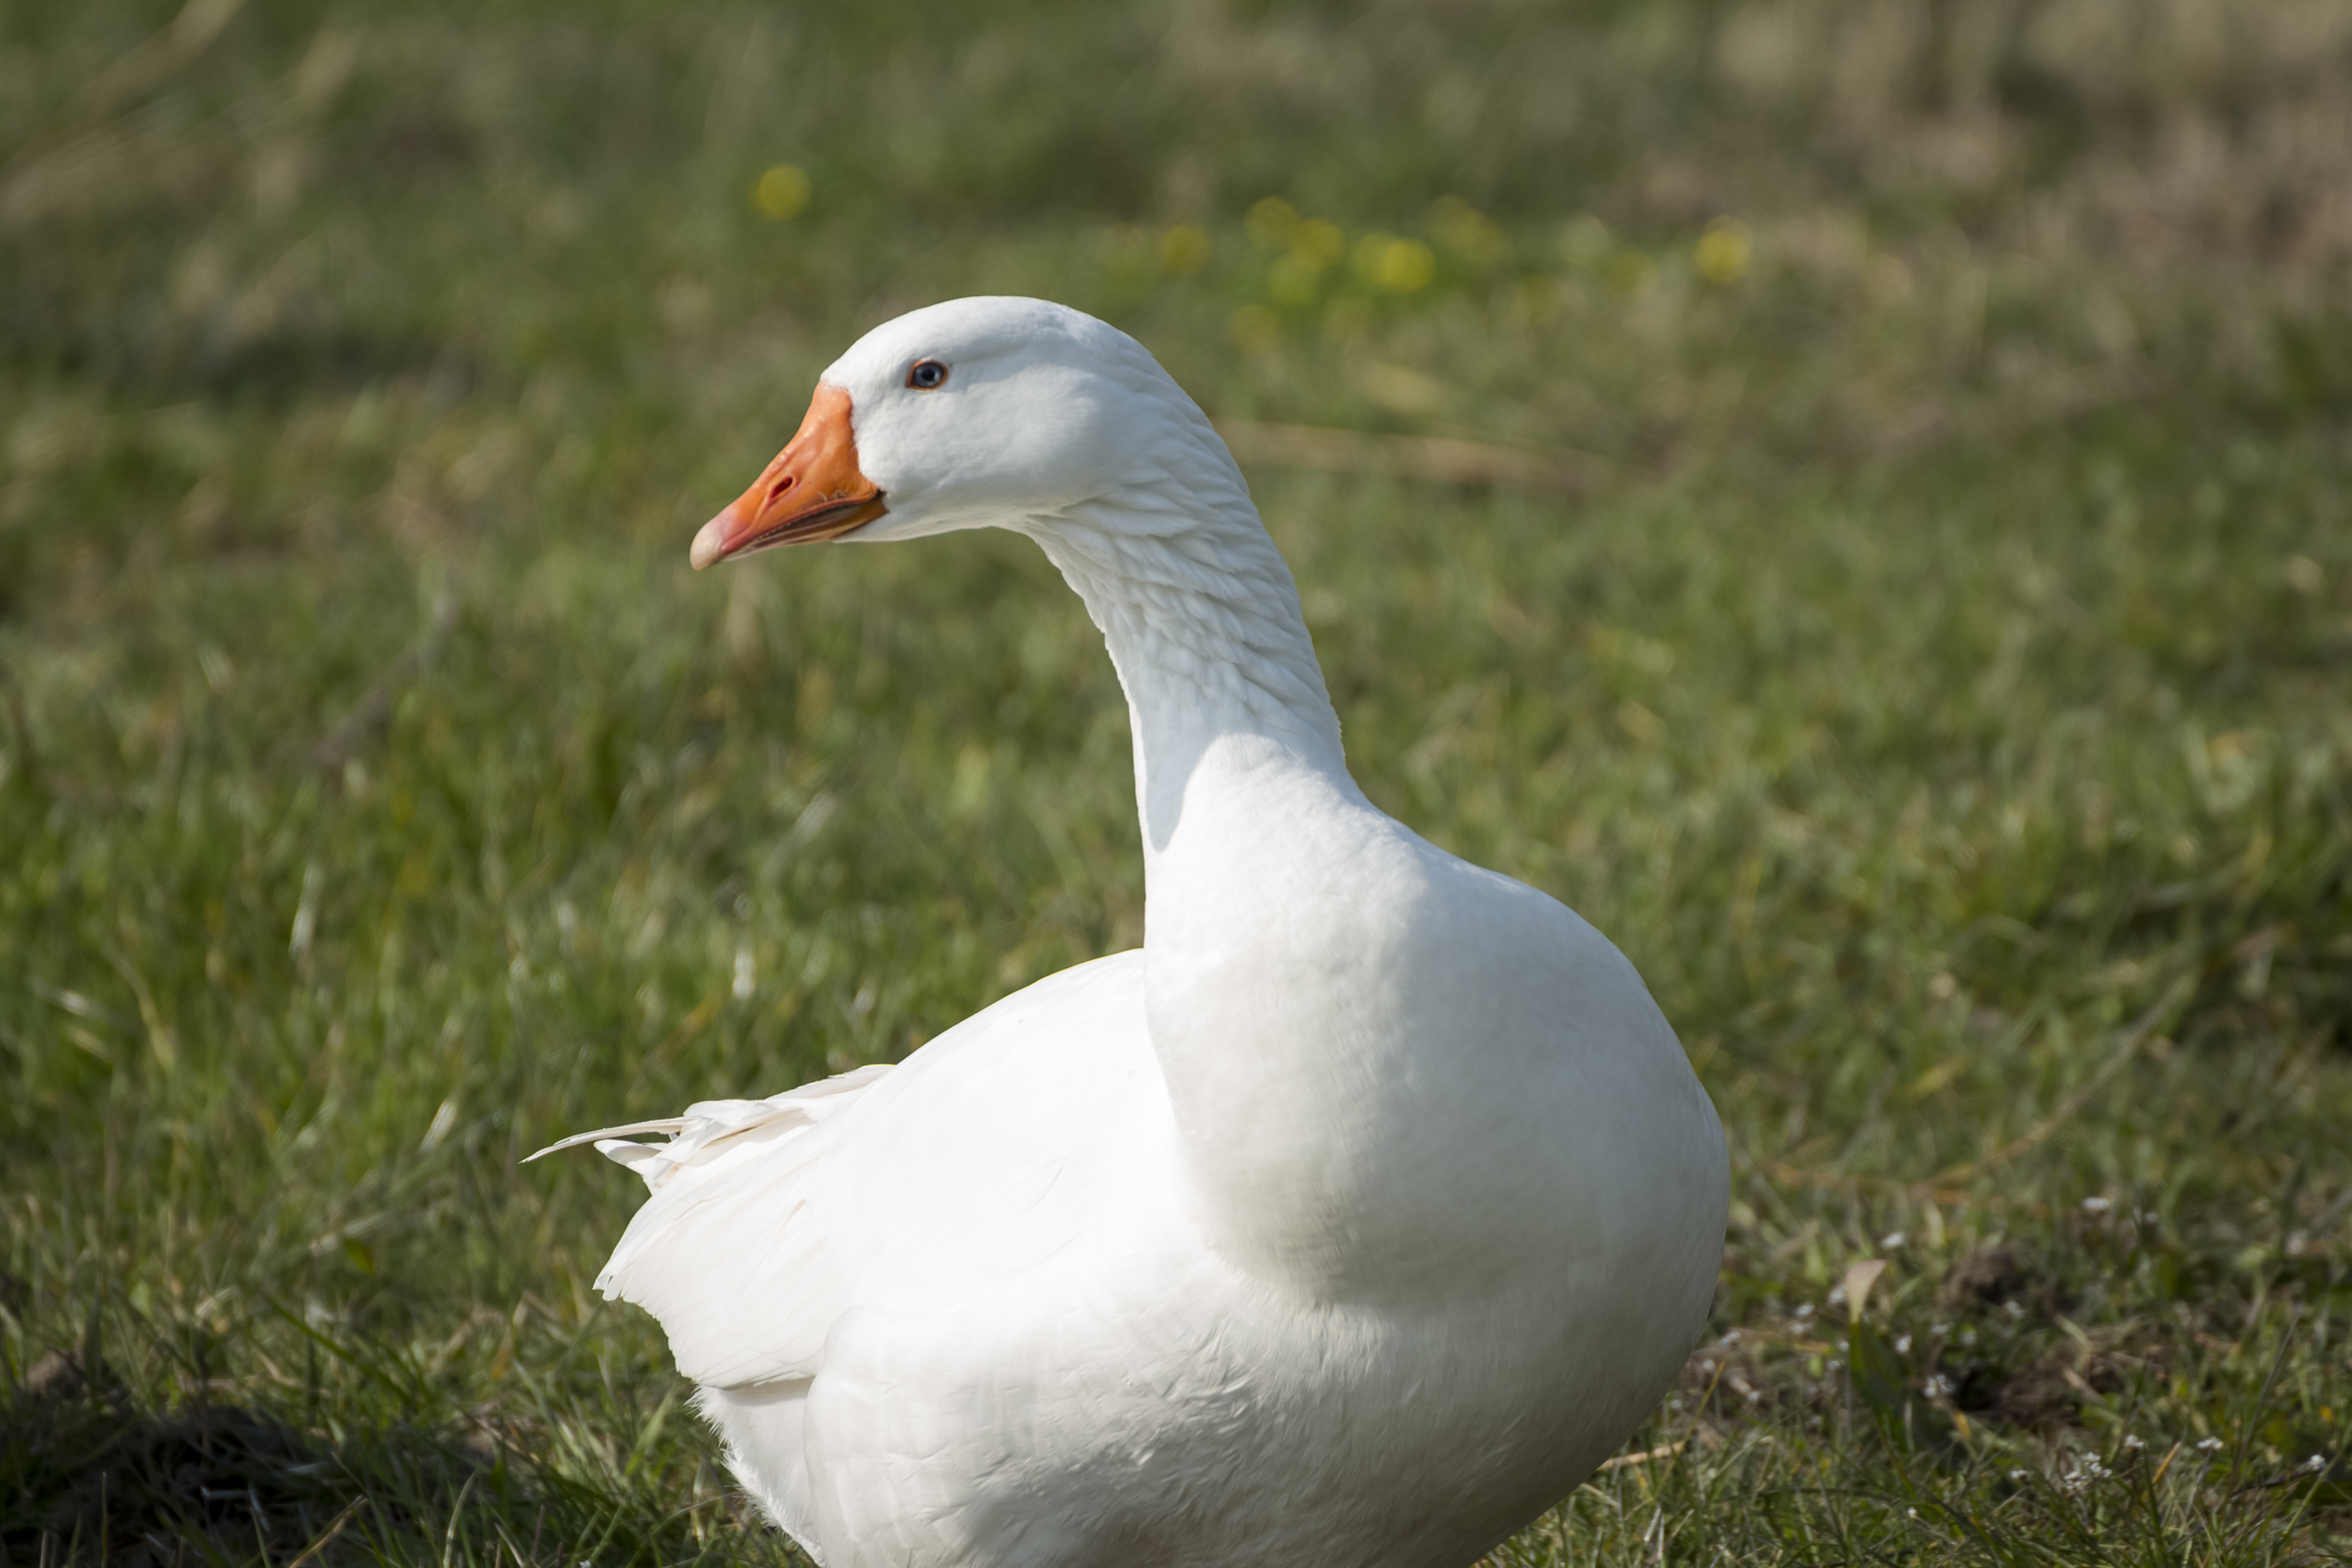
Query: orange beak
{"x": 812, "y": 491}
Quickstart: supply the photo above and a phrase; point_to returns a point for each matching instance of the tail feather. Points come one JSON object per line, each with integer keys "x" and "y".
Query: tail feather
{"x": 708, "y": 1126}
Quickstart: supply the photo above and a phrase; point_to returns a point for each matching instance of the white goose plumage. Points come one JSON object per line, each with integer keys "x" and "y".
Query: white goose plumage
{"x": 1348, "y": 1222}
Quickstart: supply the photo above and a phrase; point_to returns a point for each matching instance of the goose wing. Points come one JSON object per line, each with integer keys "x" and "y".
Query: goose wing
{"x": 973, "y": 1159}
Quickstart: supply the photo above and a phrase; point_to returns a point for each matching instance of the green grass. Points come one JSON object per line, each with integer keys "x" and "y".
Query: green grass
{"x": 1932, "y": 676}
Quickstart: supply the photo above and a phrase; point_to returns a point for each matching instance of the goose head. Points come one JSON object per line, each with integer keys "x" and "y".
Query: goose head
{"x": 992, "y": 412}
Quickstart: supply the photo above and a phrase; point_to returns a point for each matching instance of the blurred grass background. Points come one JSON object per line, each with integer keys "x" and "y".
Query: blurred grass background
{"x": 1850, "y": 494}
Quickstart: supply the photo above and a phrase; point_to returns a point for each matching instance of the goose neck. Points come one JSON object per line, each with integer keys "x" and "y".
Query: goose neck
{"x": 1202, "y": 619}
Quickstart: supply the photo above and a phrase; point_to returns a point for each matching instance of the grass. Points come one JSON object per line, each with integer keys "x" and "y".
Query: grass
{"x": 1918, "y": 638}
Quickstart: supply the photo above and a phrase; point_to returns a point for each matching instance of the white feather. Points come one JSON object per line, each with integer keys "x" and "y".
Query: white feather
{"x": 1349, "y": 1222}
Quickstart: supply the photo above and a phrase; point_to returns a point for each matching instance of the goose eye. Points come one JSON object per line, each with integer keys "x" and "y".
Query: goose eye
{"x": 926, "y": 375}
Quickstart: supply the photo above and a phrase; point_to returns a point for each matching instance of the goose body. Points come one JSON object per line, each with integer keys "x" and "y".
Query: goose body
{"x": 1350, "y": 1221}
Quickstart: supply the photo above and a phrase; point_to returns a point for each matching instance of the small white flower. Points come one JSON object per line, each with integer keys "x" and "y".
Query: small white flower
{"x": 1892, "y": 1241}
{"x": 2097, "y": 1205}
{"x": 2087, "y": 1473}
{"x": 1804, "y": 1312}
{"x": 1937, "y": 1387}
{"x": 2316, "y": 1463}
{"x": 1912, "y": 1512}
{"x": 2014, "y": 1309}
{"x": 1903, "y": 1345}
{"x": 1837, "y": 1295}
{"x": 2131, "y": 1443}
{"x": 2016, "y": 1474}
{"x": 2211, "y": 1445}
{"x": 1731, "y": 1336}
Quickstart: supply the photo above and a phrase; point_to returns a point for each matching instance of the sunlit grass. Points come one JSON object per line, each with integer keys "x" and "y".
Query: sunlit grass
{"x": 1901, "y": 591}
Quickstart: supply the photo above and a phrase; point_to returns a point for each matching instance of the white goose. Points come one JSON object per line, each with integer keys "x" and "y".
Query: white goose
{"x": 1350, "y": 1222}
